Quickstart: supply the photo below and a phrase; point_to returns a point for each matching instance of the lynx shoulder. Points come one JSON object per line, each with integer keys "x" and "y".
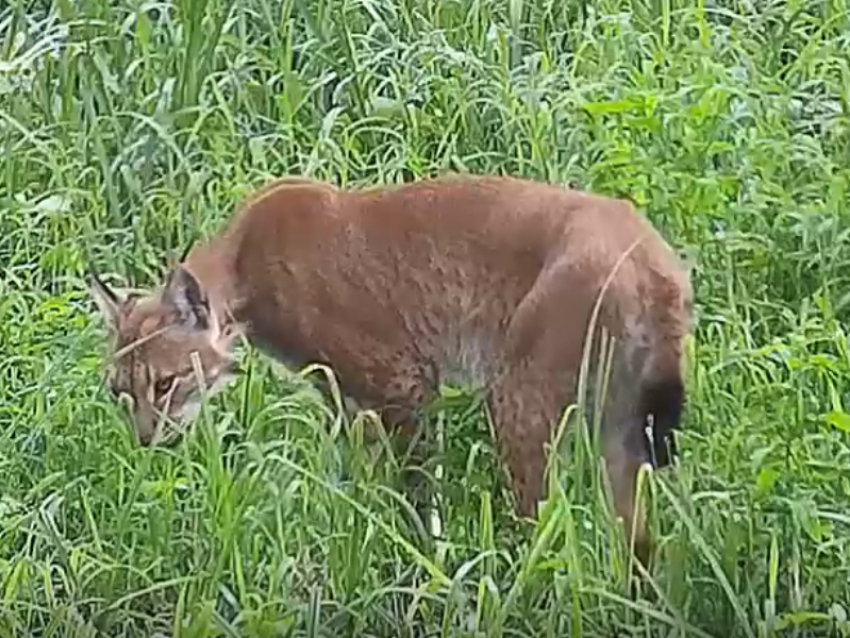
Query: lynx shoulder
{"x": 483, "y": 280}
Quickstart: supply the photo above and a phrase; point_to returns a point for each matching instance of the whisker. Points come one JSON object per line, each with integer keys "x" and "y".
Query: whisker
{"x": 138, "y": 342}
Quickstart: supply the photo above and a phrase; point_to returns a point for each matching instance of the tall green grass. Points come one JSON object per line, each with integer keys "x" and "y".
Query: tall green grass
{"x": 132, "y": 128}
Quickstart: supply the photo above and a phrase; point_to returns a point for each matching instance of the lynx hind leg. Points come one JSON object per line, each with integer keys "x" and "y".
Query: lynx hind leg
{"x": 541, "y": 359}
{"x": 623, "y": 453}
{"x": 641, "y": 430}
{"x": 523, "y": 417}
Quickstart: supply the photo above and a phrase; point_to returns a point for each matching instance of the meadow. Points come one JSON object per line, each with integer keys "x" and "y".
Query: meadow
{"x": 132, "y": 128}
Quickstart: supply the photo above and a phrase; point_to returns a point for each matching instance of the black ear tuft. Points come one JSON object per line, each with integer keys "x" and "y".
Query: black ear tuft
{"x": 107, "y": 300}
{"x": 184, "y": 293}
{"x": 94, "y": 281}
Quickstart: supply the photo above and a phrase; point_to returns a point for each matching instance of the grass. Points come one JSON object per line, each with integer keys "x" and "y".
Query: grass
{"x": 129, "y": 129}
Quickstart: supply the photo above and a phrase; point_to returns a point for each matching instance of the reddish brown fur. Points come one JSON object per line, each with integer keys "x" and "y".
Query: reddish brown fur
{"x": 491, "y": 280}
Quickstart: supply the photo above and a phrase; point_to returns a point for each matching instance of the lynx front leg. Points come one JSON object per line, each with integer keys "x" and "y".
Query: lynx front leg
{"x": 411, "y": 445}
{"x": 398, "y": 393}
{"x": 415, "y": 452}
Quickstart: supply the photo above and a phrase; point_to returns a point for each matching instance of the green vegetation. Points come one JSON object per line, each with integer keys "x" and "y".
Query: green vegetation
{"x": 131, "y": 128}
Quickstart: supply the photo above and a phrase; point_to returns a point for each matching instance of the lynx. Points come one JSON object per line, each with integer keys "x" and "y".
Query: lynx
{"x": 483, "y": 280}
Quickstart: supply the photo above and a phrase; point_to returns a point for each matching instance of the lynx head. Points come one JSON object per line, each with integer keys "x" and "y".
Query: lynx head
{"x": 154, "y": 339}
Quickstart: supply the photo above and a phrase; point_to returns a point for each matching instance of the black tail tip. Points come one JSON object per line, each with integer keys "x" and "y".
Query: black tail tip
{"x": 663, "y": 404}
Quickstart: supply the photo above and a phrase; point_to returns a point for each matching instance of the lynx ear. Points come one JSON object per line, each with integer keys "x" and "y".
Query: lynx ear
{"x": 108, "y": 300}
{"x": 183, "y": 292}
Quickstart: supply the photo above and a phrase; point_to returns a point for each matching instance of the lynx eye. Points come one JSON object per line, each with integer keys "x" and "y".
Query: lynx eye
{"x": 163, "y": 385}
